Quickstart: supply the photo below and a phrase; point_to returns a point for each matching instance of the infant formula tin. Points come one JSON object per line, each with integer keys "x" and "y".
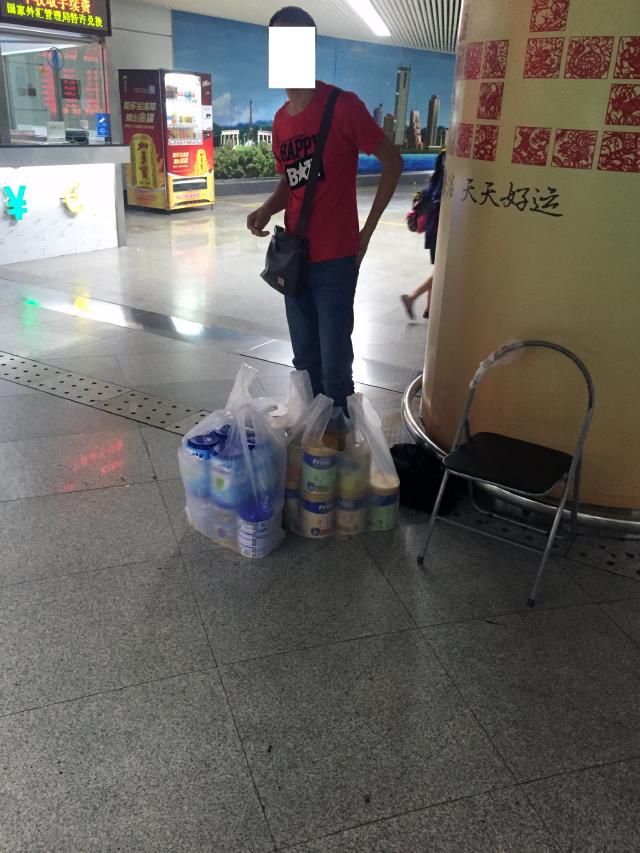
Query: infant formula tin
{"x": 351, "y": 517}
{"x": 316, "y": 518}
{"x": 294, "y": 466}
{"x": 353, "y": 473}
{"x": 195, "y": 464}
{"x": 384, "y": 501}
{"x": 255, "y": 527}
{"x": 319, "y": 472}
{"x": 225, "y": 526}
{"x": 229, "y": 479}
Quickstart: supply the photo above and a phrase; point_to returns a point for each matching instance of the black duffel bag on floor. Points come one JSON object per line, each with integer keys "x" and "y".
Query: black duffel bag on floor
{"x": 420, "y": 472}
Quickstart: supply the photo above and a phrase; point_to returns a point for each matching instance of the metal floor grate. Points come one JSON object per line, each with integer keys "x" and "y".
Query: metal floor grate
{"x": 116, "y": 399}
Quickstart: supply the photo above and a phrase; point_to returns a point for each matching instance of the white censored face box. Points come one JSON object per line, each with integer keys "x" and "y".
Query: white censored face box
{"x": 292, "y": 57}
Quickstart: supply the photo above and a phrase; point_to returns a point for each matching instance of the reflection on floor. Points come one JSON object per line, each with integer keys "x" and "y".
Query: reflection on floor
{"x": 157, "y": 693}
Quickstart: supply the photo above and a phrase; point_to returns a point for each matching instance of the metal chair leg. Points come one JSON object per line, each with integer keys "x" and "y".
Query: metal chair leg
{"x": 434, "y": 517}
{"x": 552, "y": 535}
{"x": 575, "y": 502}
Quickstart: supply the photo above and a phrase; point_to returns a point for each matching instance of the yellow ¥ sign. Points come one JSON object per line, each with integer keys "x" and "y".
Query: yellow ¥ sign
{"x": 71, "y": 199}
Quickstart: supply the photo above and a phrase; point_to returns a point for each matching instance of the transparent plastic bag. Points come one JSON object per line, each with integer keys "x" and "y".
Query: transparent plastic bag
{"x": 233, "y": 468}
{"x": 341, "y": 479}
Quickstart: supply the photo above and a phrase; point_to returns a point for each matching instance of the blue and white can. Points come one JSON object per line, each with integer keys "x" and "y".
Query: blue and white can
{"x": 195, "y": 465}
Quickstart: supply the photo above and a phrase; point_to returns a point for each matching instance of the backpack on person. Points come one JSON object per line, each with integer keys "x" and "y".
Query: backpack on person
{"x": 417, "y": 217}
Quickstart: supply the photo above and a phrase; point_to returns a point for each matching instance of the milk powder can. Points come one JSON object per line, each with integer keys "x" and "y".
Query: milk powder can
{"x": 255, "y": 530}
{"x": 384, "y": 501}
{"x": 229, "y": 477}
{"x": 319, "y": 472}
{"x": 316, "y": 518}
{"x": 195, "y": 465}
{"x": 351, "y": 516}
{"x": 225, "y": 526}
{"x": 353, "y": 472}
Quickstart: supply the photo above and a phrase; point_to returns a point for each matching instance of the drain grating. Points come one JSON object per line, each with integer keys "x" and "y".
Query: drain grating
{"x": 54, "y": 380}
{"x": 116, "y": 399}
{"x": 165, "y": 414}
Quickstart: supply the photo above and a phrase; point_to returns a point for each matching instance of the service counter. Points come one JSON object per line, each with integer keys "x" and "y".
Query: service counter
{"x": 60, "y": 200}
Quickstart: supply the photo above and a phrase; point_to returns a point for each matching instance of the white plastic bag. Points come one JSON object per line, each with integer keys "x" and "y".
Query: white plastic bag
{"x": 341, "y": 478}
{"x": 233, "y": 468}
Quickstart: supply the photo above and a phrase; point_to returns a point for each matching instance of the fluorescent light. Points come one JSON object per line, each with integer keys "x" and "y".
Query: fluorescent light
{"x": 371, "y": 18}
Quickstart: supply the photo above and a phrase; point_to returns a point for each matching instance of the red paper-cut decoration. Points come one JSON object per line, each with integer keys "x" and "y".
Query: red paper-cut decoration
{"x": 464, "y": 140}
{"x": 624, "y": 104}
{"x": 473, "y": 60}
{"x": 464, "y": 22}
{"x": 628, "y": 61}
{"x": 589, "y": 57}
{"x": 494, "y": 65}
{"x": 490, "y": 103}
{"x": 531, "y": 146}
{"x": 548, "y": 16}
{"x": 574, "y": 149}
{"x": 485, "y": 143}
{"x": 620, "y": 151}
{"x": 543, "y": 57}
{"x": 462, "y": 52}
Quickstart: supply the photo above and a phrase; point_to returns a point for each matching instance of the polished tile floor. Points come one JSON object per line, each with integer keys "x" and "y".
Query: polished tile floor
{"x": 160, "y": 694}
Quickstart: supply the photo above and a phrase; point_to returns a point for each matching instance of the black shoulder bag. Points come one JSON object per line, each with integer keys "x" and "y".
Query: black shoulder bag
{"x": 288, "y": 254}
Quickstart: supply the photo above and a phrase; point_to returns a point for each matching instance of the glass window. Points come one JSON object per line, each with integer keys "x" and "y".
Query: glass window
{"x": 53, "y": 82}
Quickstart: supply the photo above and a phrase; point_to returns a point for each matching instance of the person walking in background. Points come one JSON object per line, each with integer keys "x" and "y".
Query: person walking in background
{"x": 432, "y": 197}
{"x": 321, "y": 319}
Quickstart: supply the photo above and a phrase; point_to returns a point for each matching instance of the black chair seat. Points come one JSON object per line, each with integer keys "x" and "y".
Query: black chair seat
{"x": 509, "y": 462}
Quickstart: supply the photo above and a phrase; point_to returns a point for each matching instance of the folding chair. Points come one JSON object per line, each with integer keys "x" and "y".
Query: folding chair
{"x": 520, "y": 467}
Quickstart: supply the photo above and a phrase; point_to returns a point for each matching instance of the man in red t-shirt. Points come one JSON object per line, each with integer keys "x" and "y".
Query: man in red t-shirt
{"x": 321, "y": 319}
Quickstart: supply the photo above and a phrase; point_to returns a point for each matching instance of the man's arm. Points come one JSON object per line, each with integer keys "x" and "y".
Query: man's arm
{"x": 276, "y": 202}
{"x": 392, "y": 166}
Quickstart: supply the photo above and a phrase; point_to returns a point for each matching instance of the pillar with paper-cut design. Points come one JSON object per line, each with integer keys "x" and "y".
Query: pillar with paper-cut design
{"x": 539, "y": 231}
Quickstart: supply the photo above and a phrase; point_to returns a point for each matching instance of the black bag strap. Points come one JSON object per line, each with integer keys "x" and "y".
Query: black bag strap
{"x": 310, "y": 189}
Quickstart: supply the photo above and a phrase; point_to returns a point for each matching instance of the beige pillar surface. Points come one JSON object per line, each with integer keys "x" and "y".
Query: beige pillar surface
{"x": 540, "y": 232}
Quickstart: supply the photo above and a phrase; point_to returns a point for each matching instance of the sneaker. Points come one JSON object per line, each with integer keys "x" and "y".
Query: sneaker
{"x": 407, "y": 304}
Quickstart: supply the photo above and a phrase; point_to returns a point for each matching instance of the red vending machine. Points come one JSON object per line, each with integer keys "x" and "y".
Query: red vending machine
{"x": 167, "y": 121}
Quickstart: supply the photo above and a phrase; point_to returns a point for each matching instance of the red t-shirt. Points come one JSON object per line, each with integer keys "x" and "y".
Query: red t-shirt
{"x": 333, "y": 230}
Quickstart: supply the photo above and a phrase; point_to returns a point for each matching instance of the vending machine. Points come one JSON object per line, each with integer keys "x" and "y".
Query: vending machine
{"x": 167, "y": 121}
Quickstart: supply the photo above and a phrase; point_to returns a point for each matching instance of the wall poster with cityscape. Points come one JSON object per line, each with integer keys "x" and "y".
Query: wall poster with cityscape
{"x": 397, "y": 84}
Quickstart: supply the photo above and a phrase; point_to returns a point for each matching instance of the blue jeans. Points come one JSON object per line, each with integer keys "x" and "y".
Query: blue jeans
{"x": 321, "y": 325}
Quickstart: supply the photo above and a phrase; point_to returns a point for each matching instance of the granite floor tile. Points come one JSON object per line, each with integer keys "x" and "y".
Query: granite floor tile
{"x": 40, "y": 415}
{"x": 103, "y": 367}
{"x": 303, "y": 594}
{"x": 163, "y": 451}
{"x": 60, "y": 534}
{"x": 600, "y": 584}
{"x": 556, "y": 690}
{"x": 12, "y": 389}
{"x": 500, "y": 821}
{"x": 125, "y": 342}
{"x": 619, "y": 556}
{"x": 184, "y": 366}
{"x": 465, "y": 576}
{"x": 72, "y": 463}
{"x": 209, "y": 395}
{"x": 354, "y": 732}
{"x": 156, "y": 767}
{"x": 626, "y": 615}
{"x": 593, "y": 810}
{"x": 39, "y": 340}
{"x": 189, "y": 540}
{"x": 85, "y": 633}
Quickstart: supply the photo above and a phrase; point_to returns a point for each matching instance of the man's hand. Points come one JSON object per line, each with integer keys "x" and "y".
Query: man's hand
{"x": 257, "y": 220}
{"x": 365, "y": 236}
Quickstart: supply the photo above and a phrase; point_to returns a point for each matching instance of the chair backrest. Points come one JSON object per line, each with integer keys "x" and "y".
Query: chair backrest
{"x": 505, "y": 353}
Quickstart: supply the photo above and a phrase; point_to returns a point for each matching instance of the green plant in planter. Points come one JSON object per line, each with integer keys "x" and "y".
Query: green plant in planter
{"x": 246, "y": 161}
